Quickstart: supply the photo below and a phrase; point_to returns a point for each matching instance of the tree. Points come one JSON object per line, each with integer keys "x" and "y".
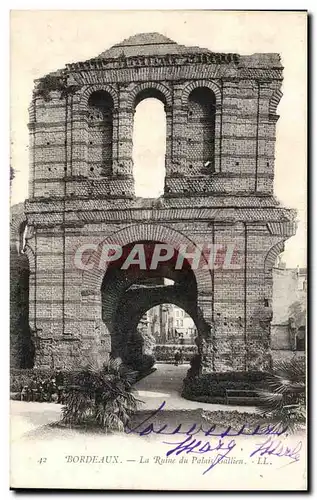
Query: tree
{"x": 101, "y": 398}
{"x": 297, "y": 318}
{"x": 297, "y": 313}
{"x": 285, "y": 397}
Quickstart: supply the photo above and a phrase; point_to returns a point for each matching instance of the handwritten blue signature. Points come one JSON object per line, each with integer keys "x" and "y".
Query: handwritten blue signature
{"x": 193, "y": 445}
{"x": 144, "y": 430}
{"x": 278, "y": 449}
{"x": 223, "y": 447}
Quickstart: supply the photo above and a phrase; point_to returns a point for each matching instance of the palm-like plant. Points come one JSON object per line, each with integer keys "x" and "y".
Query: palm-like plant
{"x": 285, "y": 397}
{"x": 101, "y": 398}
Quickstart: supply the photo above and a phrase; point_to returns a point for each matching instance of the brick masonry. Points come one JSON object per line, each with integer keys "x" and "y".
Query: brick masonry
{"x": 221, "y": 126}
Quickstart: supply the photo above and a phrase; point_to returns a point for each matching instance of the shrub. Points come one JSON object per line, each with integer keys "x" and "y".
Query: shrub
{"x": 211, "y": 387}
{"x": 165, "y": 352}
{"x": 36, "y": 385}
{"x": 141, "y": 363}
{"x": 195, "y": 365}
{"x": 285, "y": 396}
{"x": 15, "y": 396}
{"x": 101, "y": 398}
{"x": 146, "y": 363}
{"x": 22, "y": 377}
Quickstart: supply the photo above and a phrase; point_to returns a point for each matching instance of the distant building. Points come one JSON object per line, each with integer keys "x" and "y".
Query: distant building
{"x": 185, "y": 328}
{"x": 288, "y": 327}
{"x": 170, "y": 324}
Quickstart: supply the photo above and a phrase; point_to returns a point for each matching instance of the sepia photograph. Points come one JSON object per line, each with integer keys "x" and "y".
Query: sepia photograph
{"x": 158, "y": 250}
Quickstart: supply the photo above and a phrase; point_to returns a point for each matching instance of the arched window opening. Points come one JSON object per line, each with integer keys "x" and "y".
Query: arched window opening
{"x": 132, "y": 285}
{"x": 201, "y": 130}
{"x": 149, "y": 146}
{"x": 100, "y": 127}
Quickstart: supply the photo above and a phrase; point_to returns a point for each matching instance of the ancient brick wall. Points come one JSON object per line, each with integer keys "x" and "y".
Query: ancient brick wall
{"x": 221, "y": 120}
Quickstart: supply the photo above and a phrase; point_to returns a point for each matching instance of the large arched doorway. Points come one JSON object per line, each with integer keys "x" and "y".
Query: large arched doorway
{"x": 165, "y": 329}
{"x": 167, "y": 337}
{"x": 110, "y": 293}
{"x": 127, "y": 295}
{"x": 149, "y": 144}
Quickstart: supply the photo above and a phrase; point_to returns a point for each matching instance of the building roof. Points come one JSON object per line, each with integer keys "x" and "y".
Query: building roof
{"x": 148, "y": 44}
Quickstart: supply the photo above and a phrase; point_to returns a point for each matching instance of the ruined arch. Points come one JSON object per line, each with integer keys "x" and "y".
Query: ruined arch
{"x": 127, "y": 294}
{"x": 150, "y": 89}
{"x": 118, "y": 281}
{"x": 135, "y": 343}
{"x": 199, "y": 84}
{"x": 80, "y": 208}
{"x": 89, "y": 89}
{"x": 92, "y": 279}
{"x": 269, "y": 262}
{"x": 29, "y": 252}
{"x": 271, "y": 257}
{"x": 32, "y": 112}
{"x": 274, "y": 101}
{"x": 18, "y": 219}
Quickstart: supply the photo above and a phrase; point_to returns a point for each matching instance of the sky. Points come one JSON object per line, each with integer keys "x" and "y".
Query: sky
{"x": 43, "y": 41}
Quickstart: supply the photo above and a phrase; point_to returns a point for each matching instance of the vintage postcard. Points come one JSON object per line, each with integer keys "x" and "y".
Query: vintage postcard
{"x": 158, "y": 250}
